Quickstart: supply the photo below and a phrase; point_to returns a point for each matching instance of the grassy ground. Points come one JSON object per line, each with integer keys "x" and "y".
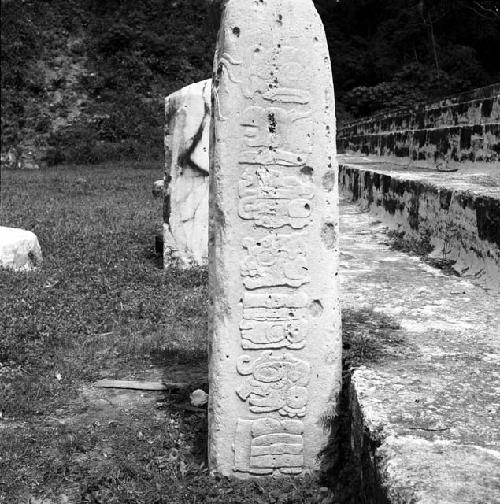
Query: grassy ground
{"x": 100, "y": 299}
{"x": 101, "y": 307}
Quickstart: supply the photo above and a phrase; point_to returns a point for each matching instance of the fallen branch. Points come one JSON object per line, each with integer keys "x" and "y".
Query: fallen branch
{"x": 440, "y": 429}
{"x": 187, "y": 407}
{"x": 140, "y": 385}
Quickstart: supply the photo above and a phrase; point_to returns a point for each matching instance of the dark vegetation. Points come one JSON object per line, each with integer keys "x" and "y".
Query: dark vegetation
{"x": 83, "y": 81}
{"x": 392, "y": 54}
{"x": 367, "y": 336}
{"x": 421, "y": 246}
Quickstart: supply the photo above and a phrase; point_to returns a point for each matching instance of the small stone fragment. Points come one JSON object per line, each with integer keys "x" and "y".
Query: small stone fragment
{"x": 158, "y": 188}
{"x": 198, "y": 398}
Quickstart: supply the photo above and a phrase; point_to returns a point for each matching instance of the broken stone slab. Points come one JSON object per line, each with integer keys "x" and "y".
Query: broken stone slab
{"x": 187, "y": 121}
{"x": 139, "y": 385}
{"x": 19, "y": 249}
{"x": 275, "y": 342}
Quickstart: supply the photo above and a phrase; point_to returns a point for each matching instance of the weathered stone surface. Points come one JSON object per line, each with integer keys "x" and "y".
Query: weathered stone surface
{"x": 8, "y": 160}
{"x": 187, "y": 123}
{"x": 275, "y": 357}
{"x": 456, "y": 213}
{"x": 459, "y": 130}
{"x": 19, "y": 249}
{"x": 425, "y": 412}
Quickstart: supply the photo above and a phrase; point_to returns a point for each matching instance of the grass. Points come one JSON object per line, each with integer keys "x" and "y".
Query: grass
{"x": 100, "y": 298}
{"x": 422, "y": 247}
{"x": 402, "y": 242}
{"x": 101, "y": 307}
{"x": 367, "y": 336}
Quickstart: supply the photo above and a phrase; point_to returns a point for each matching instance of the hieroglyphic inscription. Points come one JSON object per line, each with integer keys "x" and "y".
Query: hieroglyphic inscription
{"x": 277, "y": 383}
{"x": 275, "y": 260}
{"x": 277, "y": 140}
{"x": 274, "y": 320}
{"x": 272, "y": 265}
{"x": 274, "y": 199}
{"x": 279, "y": 75}
{"x": 276, "y": 136}
{"x": 266, "y": 445}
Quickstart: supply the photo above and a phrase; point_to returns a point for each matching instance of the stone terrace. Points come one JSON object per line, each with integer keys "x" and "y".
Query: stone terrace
{"x": 464, "y": 128}
{"x": 458, "y": 212}
{"x": 425, "y": 418}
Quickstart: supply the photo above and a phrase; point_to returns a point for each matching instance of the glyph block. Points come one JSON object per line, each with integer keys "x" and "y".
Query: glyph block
{"x": 187, "y": 123}
{"x": 275, "y": 342}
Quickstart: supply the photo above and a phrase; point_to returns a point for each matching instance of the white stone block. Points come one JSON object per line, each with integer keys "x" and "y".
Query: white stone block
{"x": 275, "y": 333}
{"x": 19, "y": 249}
{"x": 186, "y": 175}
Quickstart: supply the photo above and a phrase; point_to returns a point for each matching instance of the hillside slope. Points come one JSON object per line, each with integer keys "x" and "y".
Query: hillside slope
{"x": 83, "y": 81}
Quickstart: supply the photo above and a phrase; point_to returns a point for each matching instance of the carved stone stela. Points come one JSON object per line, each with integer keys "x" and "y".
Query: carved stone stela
{"x": 275, "y": 348}
{"x": 187, "y": 126}
{"x": 274, "y": 199}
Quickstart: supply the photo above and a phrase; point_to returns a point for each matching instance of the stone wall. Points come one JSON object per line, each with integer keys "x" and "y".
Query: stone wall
{"x": 459, "y": 129}
{"x": 462, "y": 226}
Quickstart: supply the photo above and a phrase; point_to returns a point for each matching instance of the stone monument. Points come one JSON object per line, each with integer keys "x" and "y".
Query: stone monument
{"x": 185, "y": 229}
{"x": 275, "y": 342}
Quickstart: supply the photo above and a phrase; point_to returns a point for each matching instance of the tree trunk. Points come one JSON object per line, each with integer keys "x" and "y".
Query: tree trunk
{"x": 428, "y": 23}
{"x": 434, "y": 48}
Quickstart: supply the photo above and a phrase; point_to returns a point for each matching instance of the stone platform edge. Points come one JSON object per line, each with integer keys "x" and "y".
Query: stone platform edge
{"x": 420, "y": 422}
{"x": 400, "y": 468}
{"x": 460, "y": 221}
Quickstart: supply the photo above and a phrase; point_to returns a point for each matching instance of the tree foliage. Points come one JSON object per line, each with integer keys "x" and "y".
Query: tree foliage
{"x": 387, "y": 54}
{"x": 135, "y": 52}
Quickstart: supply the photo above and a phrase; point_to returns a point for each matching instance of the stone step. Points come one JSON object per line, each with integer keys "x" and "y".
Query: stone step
{"x": 457, "y": 213}
{"x": 425, "y": 415}
{"x": 460, "y": 129}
